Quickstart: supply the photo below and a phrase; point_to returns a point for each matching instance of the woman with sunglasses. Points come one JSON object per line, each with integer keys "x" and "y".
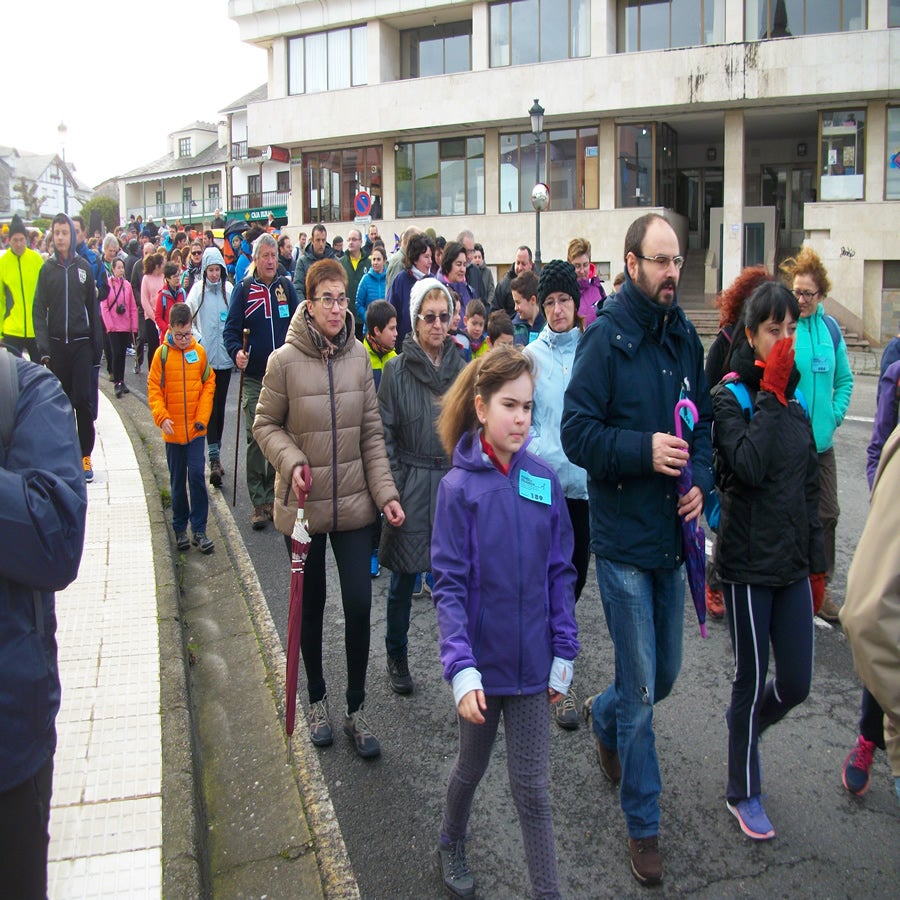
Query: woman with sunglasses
{"x": 827, "y": 383}
{"x": 409, "y": 399}
{"x": 317, "y": 424}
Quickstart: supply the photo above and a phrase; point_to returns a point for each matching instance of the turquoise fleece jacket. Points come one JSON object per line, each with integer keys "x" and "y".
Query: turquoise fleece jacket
{"x": 825, "y": 377}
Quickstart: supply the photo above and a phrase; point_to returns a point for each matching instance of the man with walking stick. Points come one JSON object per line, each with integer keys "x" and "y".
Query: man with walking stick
{"x": 263, "y": 303}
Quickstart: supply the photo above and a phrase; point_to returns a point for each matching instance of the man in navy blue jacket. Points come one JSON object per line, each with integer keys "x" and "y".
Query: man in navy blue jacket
{"x": 631, "y": 368}
{"x": 43, "y": 504}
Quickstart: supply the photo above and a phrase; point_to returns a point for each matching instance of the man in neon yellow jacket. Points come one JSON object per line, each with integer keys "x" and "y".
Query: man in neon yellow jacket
{"x": 19, "y": 269}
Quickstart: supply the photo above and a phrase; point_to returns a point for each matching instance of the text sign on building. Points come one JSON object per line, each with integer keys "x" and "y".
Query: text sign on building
{"x": 277, "y": 154}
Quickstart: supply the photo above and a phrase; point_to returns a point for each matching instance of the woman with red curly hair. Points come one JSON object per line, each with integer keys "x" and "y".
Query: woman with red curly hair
{"x": 718, "y": 365}
{"x": 827, "y": 383}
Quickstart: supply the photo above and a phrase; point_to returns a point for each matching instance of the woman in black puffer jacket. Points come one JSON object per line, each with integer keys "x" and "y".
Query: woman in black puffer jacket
{"x": 770, "y": 551}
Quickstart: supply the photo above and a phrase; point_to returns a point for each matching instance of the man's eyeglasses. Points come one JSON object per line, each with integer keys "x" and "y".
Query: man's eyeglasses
{"x": 429, "y": 318}
{"x": 182, "y": 335}
{"x": 328, "y": 301}
{"x": 663, "y": 261}
{"x": 805, "y": 295}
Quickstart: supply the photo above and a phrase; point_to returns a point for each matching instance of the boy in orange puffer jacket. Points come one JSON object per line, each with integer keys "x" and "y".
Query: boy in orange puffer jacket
{"x": 180, "y": 391}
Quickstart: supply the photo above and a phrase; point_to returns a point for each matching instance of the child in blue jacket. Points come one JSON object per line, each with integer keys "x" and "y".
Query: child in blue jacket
{"x": 508, "y": 636}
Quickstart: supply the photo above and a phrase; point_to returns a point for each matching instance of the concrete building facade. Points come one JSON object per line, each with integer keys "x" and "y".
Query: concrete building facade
{"x": 754, "y": 125}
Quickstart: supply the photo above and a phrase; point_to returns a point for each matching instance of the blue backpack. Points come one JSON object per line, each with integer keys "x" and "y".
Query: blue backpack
{"x": 712, "y": 509}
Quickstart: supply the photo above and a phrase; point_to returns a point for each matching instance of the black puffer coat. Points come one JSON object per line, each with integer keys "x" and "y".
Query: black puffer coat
{"x": 408, "y": 399}
{"x": 768, "y": 484}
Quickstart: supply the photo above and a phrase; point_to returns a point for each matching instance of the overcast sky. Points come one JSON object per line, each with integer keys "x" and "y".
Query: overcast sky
{"x": 121, "y": 76}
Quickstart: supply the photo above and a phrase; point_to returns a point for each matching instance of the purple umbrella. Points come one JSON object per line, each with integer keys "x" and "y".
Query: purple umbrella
{"x": 692, "y": 537}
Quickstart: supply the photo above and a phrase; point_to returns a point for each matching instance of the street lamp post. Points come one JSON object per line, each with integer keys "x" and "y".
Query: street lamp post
{"x": 61, "y": 129}
{"x": 540, "y": 195}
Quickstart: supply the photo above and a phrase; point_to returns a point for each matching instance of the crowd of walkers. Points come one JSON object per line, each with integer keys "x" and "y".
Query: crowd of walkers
{"x": 433, "y": 420}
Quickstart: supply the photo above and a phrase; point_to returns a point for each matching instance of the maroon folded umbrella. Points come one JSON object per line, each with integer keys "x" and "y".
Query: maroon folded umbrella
{"x": 300, "y": 541}
{"x": 692, "y": 537}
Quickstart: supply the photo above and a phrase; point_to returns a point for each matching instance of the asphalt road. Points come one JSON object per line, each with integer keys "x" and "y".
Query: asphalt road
{"x": 828, "y": 842}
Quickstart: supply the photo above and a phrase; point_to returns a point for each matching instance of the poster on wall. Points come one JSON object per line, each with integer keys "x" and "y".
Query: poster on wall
{"x": 849, "y": 156}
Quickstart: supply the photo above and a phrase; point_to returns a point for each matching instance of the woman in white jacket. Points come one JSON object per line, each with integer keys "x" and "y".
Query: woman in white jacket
{"x": 553, "y": 352}
{"x": 208, "y": 301}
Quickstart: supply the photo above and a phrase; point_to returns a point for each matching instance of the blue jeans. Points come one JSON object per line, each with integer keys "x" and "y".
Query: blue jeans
{"x": 187, "y": 466}
{"x": 644, "y": 611}
{"x": 399, "y": 607}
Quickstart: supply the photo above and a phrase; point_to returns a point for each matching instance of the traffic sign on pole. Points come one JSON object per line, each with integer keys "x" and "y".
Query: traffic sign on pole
{"x": 362, "y": 203}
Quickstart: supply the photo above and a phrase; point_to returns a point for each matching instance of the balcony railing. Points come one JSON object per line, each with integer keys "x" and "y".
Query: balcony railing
{"x": 238, "y": 149}
{"x": 260, "y": 199}
{"x": 191, "y": 211}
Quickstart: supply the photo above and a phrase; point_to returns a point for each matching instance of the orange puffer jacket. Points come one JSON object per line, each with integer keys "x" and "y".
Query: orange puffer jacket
{"x": 180, "y": 388}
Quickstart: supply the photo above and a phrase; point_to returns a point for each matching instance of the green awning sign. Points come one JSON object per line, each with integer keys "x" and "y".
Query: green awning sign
{"x": 260, "y": 214}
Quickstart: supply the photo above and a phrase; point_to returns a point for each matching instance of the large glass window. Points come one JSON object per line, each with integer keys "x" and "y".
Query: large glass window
{"x": 784, "y": 18}
{"x": 327, "y": 61}
{"x": 436, "y": 50}
{"x": 892, "y": 175}
{"x": 332, "y": 179}
{"x": 842, "y": 154}
{"x": 440, "y": 178}
{"x": 531, "y": 31}
{"x": 660, "y": 24}
{"x": 894, "y": 14}
{"x": 567, "y": 160}
{"x": 647, "y": 158}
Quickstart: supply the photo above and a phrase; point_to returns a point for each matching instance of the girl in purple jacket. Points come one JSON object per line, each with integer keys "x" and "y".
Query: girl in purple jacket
{"x": 508, "y": 636}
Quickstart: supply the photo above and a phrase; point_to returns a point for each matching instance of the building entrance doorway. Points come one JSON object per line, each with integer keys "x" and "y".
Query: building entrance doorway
{"x": 787, "y": 188}
{"x": 699, "y": 190}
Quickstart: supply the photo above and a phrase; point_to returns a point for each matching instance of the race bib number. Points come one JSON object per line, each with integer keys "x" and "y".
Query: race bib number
{"x": 192, "y": 356}
{"x": 283, "y": 310}
{"x": 533, "y": 487}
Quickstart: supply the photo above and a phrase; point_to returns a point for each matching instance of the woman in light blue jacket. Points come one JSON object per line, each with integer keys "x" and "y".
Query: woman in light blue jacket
{"x": 553, "y": 353}
{"x": 372, "y": 285}
{"x": 826, "y": 382}
{"x": 208, "y": 301}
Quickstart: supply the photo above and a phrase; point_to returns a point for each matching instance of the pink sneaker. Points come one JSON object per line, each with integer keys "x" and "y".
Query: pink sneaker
{"x": 857, "y": 765}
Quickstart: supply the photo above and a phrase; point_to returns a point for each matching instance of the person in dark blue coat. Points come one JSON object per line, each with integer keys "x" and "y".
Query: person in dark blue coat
{"x": 632, "y": 366}
{"x": 43, "y": 505}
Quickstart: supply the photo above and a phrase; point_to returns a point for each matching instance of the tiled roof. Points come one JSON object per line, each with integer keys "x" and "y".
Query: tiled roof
{"x": 258, "y": 93}
{"x": 211, "y": 157}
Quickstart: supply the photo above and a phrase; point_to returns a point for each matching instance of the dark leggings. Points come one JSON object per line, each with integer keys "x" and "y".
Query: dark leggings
{"x": 217, "y": 419}
{"x": 73, "y": 365}
{"x": 24, "y": 835}
{"x": 151, "y": 336}
{"x": 119, "y": 341}
{"x": 527, "y": 759}
{"x": 352, "y": 551}
{"x": 757, "y": 615}
{"x": 871, "y": 719}
{"x": 579, "y": 513}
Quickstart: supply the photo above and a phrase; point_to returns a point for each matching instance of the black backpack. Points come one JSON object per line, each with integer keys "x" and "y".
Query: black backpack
{"x": 9, "y": 395}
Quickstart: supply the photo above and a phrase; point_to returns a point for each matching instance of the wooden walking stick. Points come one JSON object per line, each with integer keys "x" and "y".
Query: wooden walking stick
{"x": 237, "y": 436}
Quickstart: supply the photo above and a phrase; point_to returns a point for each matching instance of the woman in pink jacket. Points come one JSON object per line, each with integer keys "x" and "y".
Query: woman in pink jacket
{"x": 119, "y": 312}
{"x": 151, "y": 284}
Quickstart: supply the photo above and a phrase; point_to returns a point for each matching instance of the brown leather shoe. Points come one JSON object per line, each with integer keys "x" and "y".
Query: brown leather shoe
{"x": 829, "y": 610}
{"x": 258, "y": 518}
{"x": 609, "y": 761}
{"x": 646, "y": 861}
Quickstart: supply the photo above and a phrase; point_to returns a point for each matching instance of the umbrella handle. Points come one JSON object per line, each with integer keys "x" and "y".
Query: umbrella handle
{"x": 679, "y": 406}
{"x": 301, "y": 497}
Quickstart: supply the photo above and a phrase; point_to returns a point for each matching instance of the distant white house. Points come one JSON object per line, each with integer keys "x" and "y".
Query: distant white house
{"x": 208, "y": 168}
{"x": 42, "y": 175}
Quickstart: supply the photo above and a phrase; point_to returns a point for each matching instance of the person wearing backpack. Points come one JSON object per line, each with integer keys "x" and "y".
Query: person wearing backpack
{"x": 771, "y": 555}
{"x": 43, "y": 508}
{"x": 827, "y": 383}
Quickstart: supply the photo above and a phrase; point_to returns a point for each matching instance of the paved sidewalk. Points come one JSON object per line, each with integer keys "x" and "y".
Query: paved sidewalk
{"x": 106, "y": 812}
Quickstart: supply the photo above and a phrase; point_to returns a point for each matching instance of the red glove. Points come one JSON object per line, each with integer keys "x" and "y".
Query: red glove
{"x": 817, "y": 586}
{"x": 778, "y": 369}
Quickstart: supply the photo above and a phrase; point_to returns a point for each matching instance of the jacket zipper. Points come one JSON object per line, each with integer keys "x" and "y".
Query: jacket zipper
{"x": 334, "y": 485}
{"x": 22, "y": 289}
{"x": 187, "y": 432}
{"x": 518, "y": 584}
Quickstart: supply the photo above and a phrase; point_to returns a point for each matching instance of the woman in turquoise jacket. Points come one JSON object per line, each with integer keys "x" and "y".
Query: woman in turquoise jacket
{"x": 553, "y": 353}
{"x": 827, "y": 383}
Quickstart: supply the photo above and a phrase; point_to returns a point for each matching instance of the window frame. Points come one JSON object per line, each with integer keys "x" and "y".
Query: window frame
{"x": 472, "y": 184}
{"x": 844, "y": 190}
{"x": 892, "y": 112}
{"x": 718, "y": 8}
{"x": 769, "y": 5}
{"x": 573, "y": 52}
{"x": 662, "y": 167}
{"x": 342, "y": 182}
{"x": 411, "y": 38}
{"x": 184, "y": 147}
{"x": 283, "y": 181}
{"x": 357, "y": 59}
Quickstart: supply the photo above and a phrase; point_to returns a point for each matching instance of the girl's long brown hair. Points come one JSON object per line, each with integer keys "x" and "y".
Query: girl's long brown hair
{"x": 482, "y": 377}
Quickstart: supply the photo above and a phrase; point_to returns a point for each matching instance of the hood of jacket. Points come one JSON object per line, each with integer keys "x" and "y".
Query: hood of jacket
{"x": 73, "y": 250}
{"x": 639, "y": 316}
{"x": 468, "y": 453}
{"x": 212, "y": 256}
{"x": 564, "y": 340}
{"x": 310, "y": 253}
{"x": 419, "y": 365}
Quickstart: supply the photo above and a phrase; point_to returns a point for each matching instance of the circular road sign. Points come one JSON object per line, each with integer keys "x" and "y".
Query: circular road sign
{"x": 362, "y": 203}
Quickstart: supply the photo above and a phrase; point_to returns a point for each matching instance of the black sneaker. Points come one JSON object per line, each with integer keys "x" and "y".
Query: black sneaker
{"x": 202, "y": 542}
{"x": 565, "y": 711}
{"x": 215, "y": 472}
{"x": 398, "y": 673}
{"x": 181, "y": 540}
{"x": 454, "y": 870}
{"x": 125, "y": 389}
{"x": 357, "y": 728}
{"x": 118, "y": 389}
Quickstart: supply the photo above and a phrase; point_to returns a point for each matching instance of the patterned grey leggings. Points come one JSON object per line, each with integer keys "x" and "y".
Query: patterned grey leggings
{"x": 526, "y": 722}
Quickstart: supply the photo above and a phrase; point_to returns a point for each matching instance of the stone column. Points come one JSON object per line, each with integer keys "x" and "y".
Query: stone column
{"x": 733, "y": 189}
